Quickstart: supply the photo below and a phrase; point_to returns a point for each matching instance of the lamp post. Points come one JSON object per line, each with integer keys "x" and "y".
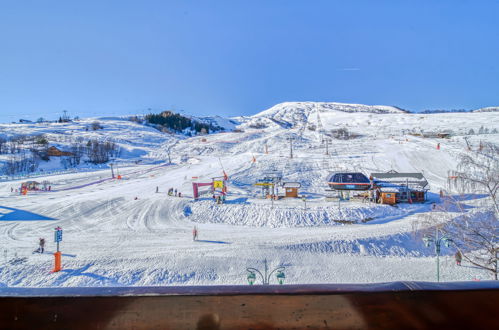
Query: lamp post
{"x": 266, "y": 275}
{"x": 428, "y": 239}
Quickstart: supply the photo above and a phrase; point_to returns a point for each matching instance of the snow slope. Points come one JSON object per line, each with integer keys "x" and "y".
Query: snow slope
{"x": 121, "y": 232}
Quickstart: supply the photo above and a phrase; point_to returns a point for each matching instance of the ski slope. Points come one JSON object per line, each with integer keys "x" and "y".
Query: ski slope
{"x": 123, "y": 233}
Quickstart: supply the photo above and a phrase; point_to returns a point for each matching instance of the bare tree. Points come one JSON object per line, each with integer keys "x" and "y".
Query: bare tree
{"x": 475, "y": 231}
{"x": 77, "y": 151}
{"x": 475, "y": 234}
{"x": 99, "y": 152}
{"x": 478, "y": 172}
{"x": 3, "y": 145}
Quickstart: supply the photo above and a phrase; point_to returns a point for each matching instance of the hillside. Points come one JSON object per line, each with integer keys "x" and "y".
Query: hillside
{"x": 130, "y": 232}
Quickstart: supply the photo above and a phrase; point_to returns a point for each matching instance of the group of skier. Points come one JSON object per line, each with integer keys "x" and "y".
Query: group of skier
{"x": 220, "y": 199}
{"x": 172, "y": 192}
{"x": 20, "y": 190}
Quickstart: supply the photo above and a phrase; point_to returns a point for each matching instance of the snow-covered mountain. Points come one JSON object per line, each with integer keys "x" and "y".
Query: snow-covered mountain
{"x": 289, "y": 114}
{"x": 487, "y": 109}
{"x": 130, "y": 232}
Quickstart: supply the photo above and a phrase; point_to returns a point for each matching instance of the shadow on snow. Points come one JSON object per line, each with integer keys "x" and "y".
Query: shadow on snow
{"x": 216, "y": 242}
{"x": 21, "y": 215}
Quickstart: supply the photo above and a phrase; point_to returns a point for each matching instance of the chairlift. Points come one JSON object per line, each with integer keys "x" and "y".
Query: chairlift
{"x": 348, "y": 181}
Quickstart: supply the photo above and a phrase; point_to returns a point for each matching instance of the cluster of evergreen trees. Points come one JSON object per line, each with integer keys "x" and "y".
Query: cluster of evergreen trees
{"x": 176, "y": 122}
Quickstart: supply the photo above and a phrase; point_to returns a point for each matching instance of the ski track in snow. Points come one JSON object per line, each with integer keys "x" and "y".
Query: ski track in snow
{"x": 113, "y": 239}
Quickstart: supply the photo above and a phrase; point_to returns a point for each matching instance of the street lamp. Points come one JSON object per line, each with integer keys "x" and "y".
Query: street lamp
{"x": 251, "y": 278}
{"x": 266, "y": 275}
{"x": 280, "y": 277}
{"x": 428, "y": 239}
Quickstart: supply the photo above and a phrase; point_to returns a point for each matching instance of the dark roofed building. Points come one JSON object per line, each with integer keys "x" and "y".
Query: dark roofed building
{"x": 410, "y": 187}
{"x": 348, "y": 181}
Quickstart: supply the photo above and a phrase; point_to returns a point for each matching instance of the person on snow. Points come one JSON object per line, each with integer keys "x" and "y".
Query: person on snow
{"x": 459, "y": 258}
{"x": 179, "y": 194}
{"x": 41, "y": 244}
{"x": 194, "y": 234}
{"x": 175, "y": 192}
{"x": 157, "y": 189}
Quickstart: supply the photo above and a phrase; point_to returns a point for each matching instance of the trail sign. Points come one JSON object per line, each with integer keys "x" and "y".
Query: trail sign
{"x": 58, "y": 235}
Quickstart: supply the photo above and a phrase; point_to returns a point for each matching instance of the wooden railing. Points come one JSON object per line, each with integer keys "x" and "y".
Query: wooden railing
{"x": 396, "y": 305}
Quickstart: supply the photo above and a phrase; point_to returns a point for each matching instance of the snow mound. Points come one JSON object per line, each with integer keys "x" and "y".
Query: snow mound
{"x": 280, "y": 216}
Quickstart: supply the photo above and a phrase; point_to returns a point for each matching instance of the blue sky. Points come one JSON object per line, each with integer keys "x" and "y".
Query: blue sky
{"x": 240, "y": 57}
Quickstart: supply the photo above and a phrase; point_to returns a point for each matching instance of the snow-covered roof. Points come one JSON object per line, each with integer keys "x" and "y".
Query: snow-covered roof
{"x": 389, "y": 189}
{"x": 414, "y": 180}
{"x": 291, "y": 185}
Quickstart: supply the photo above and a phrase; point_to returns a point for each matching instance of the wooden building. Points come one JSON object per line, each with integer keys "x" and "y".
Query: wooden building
{"x": 407, "y": 187}
{"x": 388, "y": 196}
{"x": 55, "y": 152}
{"x": 291, "y": 189}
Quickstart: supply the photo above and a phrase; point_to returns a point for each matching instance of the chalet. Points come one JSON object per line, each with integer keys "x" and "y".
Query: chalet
{"x": 291, "y": 189}
{"x": 53, "y": 151}
{"x": 407, "y": 187}
{"x": 387, "y": 196}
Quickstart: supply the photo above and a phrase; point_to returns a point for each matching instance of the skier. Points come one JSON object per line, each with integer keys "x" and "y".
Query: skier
{"x": 11, "y": 189}
{"x": 175, "y": 192}
{"x": 194, "y": 234}
{"x": 41, "y": 244}
{"x": 458, "y": 257}
{"x": 157, "y": 189}
{"x": 179, "y": 194}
